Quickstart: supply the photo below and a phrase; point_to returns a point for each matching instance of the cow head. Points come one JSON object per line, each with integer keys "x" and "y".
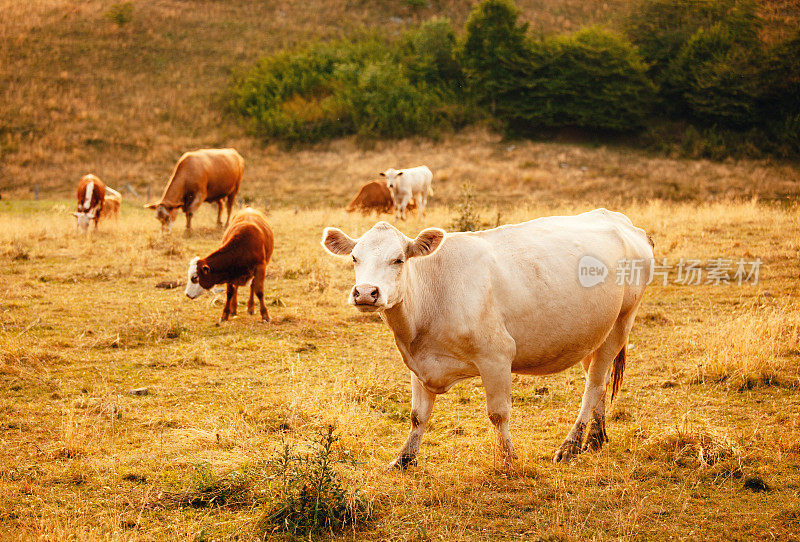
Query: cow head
{"x": 85, "y": 218}
{"x": 198, "y": 278}
{"x": 165, "y": 214}
{"x": 391, "y": 177}
{"x": 379, "y": 257}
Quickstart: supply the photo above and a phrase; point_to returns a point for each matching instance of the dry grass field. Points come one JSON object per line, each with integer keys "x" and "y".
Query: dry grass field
{"x": 705, "y": 434}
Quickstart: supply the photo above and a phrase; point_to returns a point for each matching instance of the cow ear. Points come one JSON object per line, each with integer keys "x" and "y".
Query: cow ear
{"x": 205, "y": 269}
{"x": 151, "y": 205}
{"x": 426, "y": 243}
{"x": 337, "y": 242}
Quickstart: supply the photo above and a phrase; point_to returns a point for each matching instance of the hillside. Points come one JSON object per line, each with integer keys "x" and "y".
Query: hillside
{"x": 81, "y": 93}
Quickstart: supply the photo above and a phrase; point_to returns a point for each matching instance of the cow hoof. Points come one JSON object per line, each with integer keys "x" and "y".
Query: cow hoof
{"x": 266, "y": 320}
{"x": 567, "y": 451}
{"x": 595, "y": 440}
{"x": 402, "y": 463}
{"x": 251, "y": 311}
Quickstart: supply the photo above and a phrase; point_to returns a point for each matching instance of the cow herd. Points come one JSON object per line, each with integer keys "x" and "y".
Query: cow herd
{"x": 465, "y": 304}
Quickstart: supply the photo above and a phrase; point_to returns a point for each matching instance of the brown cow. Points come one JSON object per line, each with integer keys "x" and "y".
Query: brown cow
{"x": 95, "y": 200}
{"x": 374, "y": 196}
{"x": 245, "y": 252}
{"x": 204, "y": 175}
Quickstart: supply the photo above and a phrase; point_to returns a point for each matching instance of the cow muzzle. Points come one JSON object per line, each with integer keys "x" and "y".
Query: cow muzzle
{"x": 365, "y": 297}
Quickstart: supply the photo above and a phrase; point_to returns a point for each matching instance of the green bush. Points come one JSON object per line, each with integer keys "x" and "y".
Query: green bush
{"x": 660, "y": 28}
{"x": 382, "y": 101}
{"x": 718, "y": 79}
{"x": 493, "y": 46}
{"x": 311, "y": 500}
{"x": 592, "y": 79}
{"x": 722, "y": 35}
{"x": 348, "y": 87}
{"x": 295, "y": 95}
{"x": 780, "y": 80}
{"x": 120, "y": 13}
{"x": 428, "y": 54}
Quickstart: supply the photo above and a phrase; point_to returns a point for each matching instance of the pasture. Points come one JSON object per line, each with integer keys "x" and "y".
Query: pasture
{"x": 705, "y": 433}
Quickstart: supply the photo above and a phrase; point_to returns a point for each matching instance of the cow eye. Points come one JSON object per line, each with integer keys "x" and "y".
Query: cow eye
{"x": 355, "y": 260}
{"x": 195, "y": 279}
{"x": 399, "y": 261}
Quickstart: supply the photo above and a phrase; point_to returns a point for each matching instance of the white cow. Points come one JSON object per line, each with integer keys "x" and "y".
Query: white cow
{"x": 532, "y": 298}
{"x": 405, "y": 184}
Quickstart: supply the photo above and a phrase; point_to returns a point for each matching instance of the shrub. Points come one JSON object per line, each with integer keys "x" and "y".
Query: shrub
{"x": 592, "y": 79}
{"x": 311, "y": 499}
{"x": 382, "y": 101}
{"x": 780, "y": 80}
{"x": 345, "y": 87}
{"x": 428, "y": 54}
{"x": 294, "y": 95}
{"x": 121, "y": 14}
{"x": 468, "y": 218}
{"x": 494, "y": 44}
{"x": 660, "y": 28}
{"x": 717, "y": 78}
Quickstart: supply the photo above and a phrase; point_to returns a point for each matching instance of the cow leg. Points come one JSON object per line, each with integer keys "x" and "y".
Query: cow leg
{"x": 258, "y": 285}
{"x": 596, "y": 435}
{"x": 219, "y": 212}
{"x": 251, "y": 304}
{"x": 592, "y": 410}
{"x": 421, "y": 408}
{"x": 423, "y": 201}
{"x": 229, "y": 205}
{"x": 497, "y": 384}
{"x": 190, "y": 209}
{"x": 226, "y": 312}
{"x": 404, "y": 206}
{"x": 235, "y": 301}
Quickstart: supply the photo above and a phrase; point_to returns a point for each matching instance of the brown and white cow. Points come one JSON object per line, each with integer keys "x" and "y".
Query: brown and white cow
{"x": 375, "y": 196}
{"x": 211, "y": 175}
{"x": 95, "y": 200}
{"x": 245, "y": 252}
{"x": 532, "y": 298}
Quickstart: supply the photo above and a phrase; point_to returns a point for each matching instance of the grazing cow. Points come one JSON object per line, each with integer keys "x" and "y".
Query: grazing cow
{"x": 375, "y": 196}
{"x": 95, "y": 200}
{"x": 209, "y": 175}
{"x": 532, "y": 298}
{"x": 245, "y": 252}
{"x": 405, "y": 184}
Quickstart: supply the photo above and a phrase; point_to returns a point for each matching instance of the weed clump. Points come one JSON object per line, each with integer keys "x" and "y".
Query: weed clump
{"x": 120, "y": 13}
{"x": 311, "y": 498}
{"x": 467, "y": 218}
{"x": 301, "y": 493}
{"x": 697, "y": 447}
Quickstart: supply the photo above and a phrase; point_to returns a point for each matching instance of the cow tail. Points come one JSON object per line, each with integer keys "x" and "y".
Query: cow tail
{"x": 617, "y": 372}
{"x": 430, "y": 191}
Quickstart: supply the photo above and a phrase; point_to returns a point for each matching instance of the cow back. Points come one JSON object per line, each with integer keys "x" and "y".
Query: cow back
{"x": 211, "y": 174}
{"x": 249, "y": 228}
{"x": 91, "y": 200}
